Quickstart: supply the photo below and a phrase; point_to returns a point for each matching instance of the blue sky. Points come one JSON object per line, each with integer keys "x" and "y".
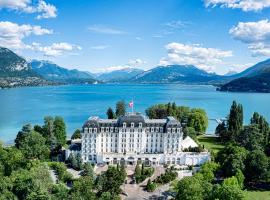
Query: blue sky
{"x": 100, "y": 35}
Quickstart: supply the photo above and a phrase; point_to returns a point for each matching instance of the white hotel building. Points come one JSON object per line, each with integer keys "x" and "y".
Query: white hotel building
{"x": 133, "y": 138}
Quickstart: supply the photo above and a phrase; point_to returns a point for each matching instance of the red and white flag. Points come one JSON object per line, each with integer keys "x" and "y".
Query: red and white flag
{"x": 131, "y": 104}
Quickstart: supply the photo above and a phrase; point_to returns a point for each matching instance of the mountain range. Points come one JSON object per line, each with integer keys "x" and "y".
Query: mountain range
{"x": 53, "y": 72}
{"x": 16, "y": 71}
{"x": 253, "y": 79}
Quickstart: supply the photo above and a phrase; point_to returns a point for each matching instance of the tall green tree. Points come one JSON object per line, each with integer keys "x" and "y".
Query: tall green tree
{"x": 33, "y": 146}
{"x": 120, "y": 108}
{"x": 21, "y": 134}
{"x": 76, "y": 135}
{"x": 257, "y": 166}
{"x": 232, "y": 158}
{"x": 60, "y": 130}
{"x": 110, "y": 113}
{"x": 235, "y": 120}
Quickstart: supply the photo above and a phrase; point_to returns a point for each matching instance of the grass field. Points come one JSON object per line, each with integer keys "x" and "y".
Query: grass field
{"x": 210, "y": 143}
{"x": 260, "y": 195}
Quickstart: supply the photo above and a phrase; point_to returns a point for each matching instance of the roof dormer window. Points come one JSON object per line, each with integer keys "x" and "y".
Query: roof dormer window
{"x": 140, "y": 125}
{"x": 124, "y": 125}
{"x": 132, "y": 125}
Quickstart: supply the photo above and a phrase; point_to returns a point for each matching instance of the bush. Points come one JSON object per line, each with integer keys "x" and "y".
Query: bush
{"x": 151, "y": 186}
{"x": 61, "y": 171}
{"x": 167, "y": 177}
{"x": 141, "y": 173}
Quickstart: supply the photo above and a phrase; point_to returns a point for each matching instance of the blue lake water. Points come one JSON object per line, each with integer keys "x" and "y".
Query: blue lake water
{"x": 75, "y": 103}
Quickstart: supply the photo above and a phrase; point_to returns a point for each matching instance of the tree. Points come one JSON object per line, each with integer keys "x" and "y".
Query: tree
{"x": 110, "y": 113}
{"x": 21, "y": 134}
{"x": 76, "y": 135}
{"x": 190, "y": 188}
{"x": 235, "y": 120}
{"x": 60, "y": 130}
{"x": 222, "y": 132}
{"x": 72, "y": 161}
{"x": 33, "y": 146}
{"x": 120, "y": 108}
{"x": 198, "y": 120}
{"x": 226, "y": 192}
{"x": 88, "y": 171}
{"x": 251, "y": 138}
{"x": 48, "y": 127}
{"x": 231, "y": 159}
{"x": 83, "y": 189}
{"x": 257, "y": 166}
{"x": 262, "y": 125}
{"x": 79, "y": 162}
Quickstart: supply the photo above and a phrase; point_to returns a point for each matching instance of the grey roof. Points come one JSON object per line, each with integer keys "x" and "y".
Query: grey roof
{"x": 136, "y": 118}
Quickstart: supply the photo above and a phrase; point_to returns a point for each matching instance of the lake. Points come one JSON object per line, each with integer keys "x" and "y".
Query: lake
{"x": 75, "y": 103}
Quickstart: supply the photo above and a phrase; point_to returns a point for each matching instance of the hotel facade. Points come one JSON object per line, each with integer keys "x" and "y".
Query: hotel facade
{"x": 134, "y": 138}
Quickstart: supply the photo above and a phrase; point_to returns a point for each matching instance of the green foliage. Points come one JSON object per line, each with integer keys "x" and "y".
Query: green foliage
{"x": 76, "y": 135}
{"x": 169, "y": 175}
{"x": 61, "y": 171}
{"x": 251, "y": 138}
{"x": 120, "y": 108}
{"x": 226, "y": 192}
{"x": 111, "y": 180}
{"x": 194, "y": 118}
{"x": 33, "y": 146}
{"x": 110, "y": 113}
{"x": 88, "y": 171}
{"x": 60, "y": 130}
{"x": 208, "y": 171}
{"x": 141, "y": 173}
{"x": 151, "y": 186}
{"x": 231, "y": 159}
{"x": 190, "y": 188}
{"x": 235, "y": 120}
{"x": 83, "y": 189}
{"x": 257, "y": 166}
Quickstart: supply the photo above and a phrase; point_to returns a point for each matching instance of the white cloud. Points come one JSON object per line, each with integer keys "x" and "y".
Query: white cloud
{"x": 255, "y": 34}
{"x": 206, "y": 58}
{"x": 100, "y": 47}
{"x": 136, "y": 62}
{"x": 43, "y": 9}
{"x": 177, "y": 24}
{"x": 12, "y": 34}
{"x": 245, "y": 5}
{"x": 105, "y": 30}
{"x": 46, "y": 10}
{"x": 138, "y": 38}
{"x": 56, "y": 49}
{"x": 132, "y": 63}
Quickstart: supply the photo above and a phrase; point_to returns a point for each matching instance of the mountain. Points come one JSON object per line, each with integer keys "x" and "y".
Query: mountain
{"x": 121, "y": 75}
{"x": 253, "y": 79}
{"x": 176, "y": 74}
{"x": 15, "y": 71}
{"x": 53, "y": 72}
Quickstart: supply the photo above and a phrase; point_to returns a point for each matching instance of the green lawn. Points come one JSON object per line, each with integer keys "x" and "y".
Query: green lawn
{"x": 260, "y": 195}
{"x": 210, "y": 143}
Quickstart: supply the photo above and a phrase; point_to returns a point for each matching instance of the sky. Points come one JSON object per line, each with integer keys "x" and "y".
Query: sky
{"x": 103, "y": 35}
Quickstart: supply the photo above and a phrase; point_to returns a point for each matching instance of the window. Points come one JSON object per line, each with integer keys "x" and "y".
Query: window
{"x": 124, "y": 125}
{"x": 111, "y": 129}
{"x": 140, "y": 125}
{"x": 157, "y": 129}
{"x": 102, "y": 129}
{"x": 95, "y": 130}
{"x": 161, "y": 129}
{"x": 152, "y": 129}
{"x": 132, "y": 125}
{"x": 107, "y": 129}
{"x": 90, "y": 130}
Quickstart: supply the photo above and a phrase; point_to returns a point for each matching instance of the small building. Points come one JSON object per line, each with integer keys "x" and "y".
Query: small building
{"x": 134, "y": 138}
